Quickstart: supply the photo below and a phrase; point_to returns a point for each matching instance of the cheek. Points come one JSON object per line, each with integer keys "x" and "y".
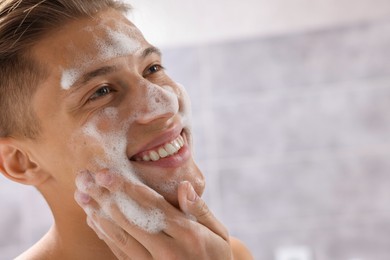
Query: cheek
{"x": 93, "y": 144}
{"x": 84, "y": 151}
{"x": 102, "y": 144}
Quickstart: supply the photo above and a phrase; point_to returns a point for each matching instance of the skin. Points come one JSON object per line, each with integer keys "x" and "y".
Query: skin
{"x": 63, "y": 153}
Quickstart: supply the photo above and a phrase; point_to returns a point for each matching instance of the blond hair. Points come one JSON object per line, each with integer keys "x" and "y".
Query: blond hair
{"x": 22, "y": 24}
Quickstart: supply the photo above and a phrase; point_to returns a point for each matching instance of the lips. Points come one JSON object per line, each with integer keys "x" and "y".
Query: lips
{"x": 165, "y": 150}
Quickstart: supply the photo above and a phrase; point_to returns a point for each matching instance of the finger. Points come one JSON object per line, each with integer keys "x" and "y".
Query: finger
{"x": 141, "y": 211}
{"x": 146, "y": 225}
{"x": 190, "y": 203}
{"x": 108, "y": 179}
{"x": 117, "y": 252}
{"x": 84, "y": 179}
{"x": 87, "y": 191}
{"x": 133, "y": 198}
{"x": 85, "y": 182}
{"x": 136, "y": 209}
{"x": 118, "y": 239}
{"x": 110, "y": 233}
{"x": 88, "y": 204}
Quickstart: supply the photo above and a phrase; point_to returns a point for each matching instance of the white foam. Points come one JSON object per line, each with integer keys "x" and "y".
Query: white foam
{"x": 119, "y": 42}
{"x": 69, "y": 77}
{"x": 114, "y": 145}
{"x": 152, "y": 221}
{"x": 185, "y": 111}
{"x": 158, "y": 101}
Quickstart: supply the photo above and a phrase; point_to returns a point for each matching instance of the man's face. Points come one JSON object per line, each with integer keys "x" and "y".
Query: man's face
{"x": 108, "y": 103}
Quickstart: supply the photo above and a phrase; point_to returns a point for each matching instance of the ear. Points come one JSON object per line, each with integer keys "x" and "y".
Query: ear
{"x": 16, "y": 164}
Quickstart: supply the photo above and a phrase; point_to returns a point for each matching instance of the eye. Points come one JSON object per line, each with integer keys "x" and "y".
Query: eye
{"x": 100, "y": 92}
{"x": 153, "y": 69}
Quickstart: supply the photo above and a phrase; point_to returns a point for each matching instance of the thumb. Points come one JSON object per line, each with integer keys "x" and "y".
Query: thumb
{"x": 191, "y": 204}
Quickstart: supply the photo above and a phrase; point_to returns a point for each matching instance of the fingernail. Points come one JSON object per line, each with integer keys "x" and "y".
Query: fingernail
{"x": 82, "y": 197}
{"x": 84, "y": 180}
{"x": 104, "y": 178}
{"x": 191, "y": 194}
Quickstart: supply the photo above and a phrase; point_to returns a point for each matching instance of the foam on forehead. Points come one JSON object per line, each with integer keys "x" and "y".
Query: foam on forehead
{"x": 69, "y": 77}
{"x": 118, "y": 40}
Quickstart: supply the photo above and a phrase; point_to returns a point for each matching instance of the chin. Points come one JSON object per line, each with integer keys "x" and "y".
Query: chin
{"x": 167, "y": 184}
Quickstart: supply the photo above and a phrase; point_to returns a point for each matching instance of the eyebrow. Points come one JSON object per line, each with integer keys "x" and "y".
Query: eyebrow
{"x": 150, "y": 50}
{"x": 96, "y": 73}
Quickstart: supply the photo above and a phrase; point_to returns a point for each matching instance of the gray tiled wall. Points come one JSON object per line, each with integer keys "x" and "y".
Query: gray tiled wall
{"x": 292, "y": 133}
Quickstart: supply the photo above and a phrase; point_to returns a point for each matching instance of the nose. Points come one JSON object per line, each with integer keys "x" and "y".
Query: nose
{"x": 155, "y": 102}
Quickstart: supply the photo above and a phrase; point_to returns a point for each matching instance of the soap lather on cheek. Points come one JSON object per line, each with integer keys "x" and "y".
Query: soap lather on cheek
{"x": 112, "y": 141}
{"x": 114, "y": 144}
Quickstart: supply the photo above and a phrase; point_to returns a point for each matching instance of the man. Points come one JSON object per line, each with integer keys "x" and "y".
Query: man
{"x": 85, "y": 102}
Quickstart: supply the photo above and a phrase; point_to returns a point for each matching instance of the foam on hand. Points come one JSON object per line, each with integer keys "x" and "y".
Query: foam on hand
{"x": 151, "y": 221}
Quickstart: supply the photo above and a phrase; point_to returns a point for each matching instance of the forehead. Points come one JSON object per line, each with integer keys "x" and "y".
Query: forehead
{"x": 81, "y": 43}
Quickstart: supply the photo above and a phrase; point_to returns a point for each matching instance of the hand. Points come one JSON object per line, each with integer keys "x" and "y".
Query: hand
{"x": 177, "y": 236}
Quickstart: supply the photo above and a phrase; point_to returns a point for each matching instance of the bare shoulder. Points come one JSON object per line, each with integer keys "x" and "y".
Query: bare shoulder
{"x": 42, "y": 250}
{"x": 36, "y": 252}
{"x": 240, "y": 251}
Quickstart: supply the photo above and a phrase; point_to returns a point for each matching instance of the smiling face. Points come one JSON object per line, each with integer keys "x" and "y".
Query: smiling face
{"x": 108, "y": 103}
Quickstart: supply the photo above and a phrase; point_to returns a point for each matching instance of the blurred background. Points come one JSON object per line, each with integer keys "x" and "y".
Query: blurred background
{"x": 291, "y": 102}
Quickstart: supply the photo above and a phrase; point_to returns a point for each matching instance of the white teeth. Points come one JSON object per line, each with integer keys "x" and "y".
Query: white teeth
{"x": 162, "y": 152}
{"x": 154, "y": 156}
{"x": 170, "y": 148}
{"x": 180, "y": 141}
{"x": 176, "y": 144}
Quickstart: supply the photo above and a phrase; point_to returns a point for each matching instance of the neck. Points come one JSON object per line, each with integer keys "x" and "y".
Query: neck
{"x": 71, "y": 237}
{"x": 77, "y": 241}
